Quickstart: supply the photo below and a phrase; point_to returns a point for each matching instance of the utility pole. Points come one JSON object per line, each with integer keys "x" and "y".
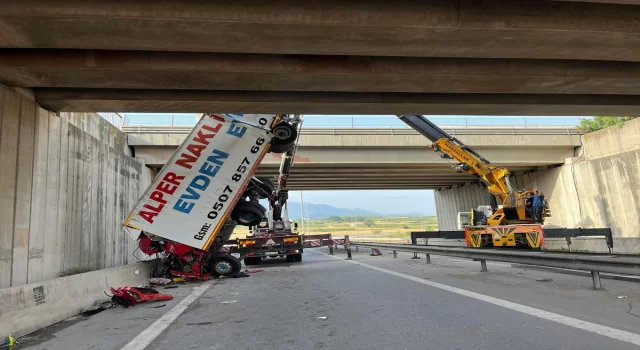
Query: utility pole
{"x": 302, "y": 213}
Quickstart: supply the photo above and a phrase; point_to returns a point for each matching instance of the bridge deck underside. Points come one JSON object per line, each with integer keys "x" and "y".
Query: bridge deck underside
{"x": 490, "y": 57}
{"x": 367, "y": 176}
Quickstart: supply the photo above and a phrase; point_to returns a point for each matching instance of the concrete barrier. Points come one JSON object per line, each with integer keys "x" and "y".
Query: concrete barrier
{"x": 25, "y": 309}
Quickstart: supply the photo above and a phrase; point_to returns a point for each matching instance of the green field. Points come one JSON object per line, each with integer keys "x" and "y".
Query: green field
{"x": 364, "y": 226}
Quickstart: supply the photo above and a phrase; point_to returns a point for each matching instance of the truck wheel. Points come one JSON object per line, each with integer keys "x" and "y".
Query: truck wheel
{"x": 290, "y": 258}
{"x": 222, "y": 265}
{"x": 249, "y": 261}
{"x": 267, "y": 185}
{"x": 248, "y": 213}
{"x": 284, "y": 137}
{"x": 297, "y": 258}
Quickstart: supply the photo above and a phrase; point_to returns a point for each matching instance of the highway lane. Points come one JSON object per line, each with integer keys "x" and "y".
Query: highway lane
{"x": 281, "y": 307}
{"x": 364, "y": 309}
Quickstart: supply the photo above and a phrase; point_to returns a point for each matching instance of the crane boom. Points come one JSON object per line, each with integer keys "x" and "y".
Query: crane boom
{"x": 449, "y": 147}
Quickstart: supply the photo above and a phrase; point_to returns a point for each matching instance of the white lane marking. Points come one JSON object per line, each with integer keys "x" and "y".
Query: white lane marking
{"x": 148, "y": 335}
{"x": 610, "y": 332}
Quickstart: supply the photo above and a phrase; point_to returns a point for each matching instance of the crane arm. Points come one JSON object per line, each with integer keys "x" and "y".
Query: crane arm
{"x": 449, "y": 147}
{"x": 279, "y": 198}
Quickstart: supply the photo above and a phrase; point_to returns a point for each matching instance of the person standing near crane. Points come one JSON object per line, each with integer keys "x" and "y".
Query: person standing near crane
{"x": 537, "y": 202}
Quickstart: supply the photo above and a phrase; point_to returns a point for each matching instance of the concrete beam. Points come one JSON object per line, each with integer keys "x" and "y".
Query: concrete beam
{"x": 196, "y": 101}
{"x": 467, "y": 28}
{"x": 338, "y": 138}
{"x": 156, "y": 156}
{"x": 219, "y": 71}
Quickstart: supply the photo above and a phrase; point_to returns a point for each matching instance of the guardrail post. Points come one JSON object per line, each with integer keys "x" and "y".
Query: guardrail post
{"x": 356, "y": 248}
{"x": 483, "y": 265}
{"x": 415, "y": 256}
{"x": 595, "y": 276}
{"x": 395, "y": 254}
{"x": 428, "y": 258}
{"x": 347, "y": 246}
{"x": 330, "y": 250}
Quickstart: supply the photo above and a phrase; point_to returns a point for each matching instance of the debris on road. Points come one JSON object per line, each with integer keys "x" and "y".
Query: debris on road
{"x": 130, "y": 296}
{"x": 253, "y": 271}
{"x": 228, "y": 302}
{"x": 238, "y": 275}
{"x": 157, "y": 307}
{"x": 160, "y": 281}
{"x": 322, "y": 317}
{"x": 545, "y": 280}
{"x": 622, "y": 297}
{"x": 173, "y": 286}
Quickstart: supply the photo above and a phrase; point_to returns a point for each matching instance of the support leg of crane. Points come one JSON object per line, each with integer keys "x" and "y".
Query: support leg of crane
{"x": 483, "y": 264}
{"x": 595, "y": 276}
{"x": 330, "y": 250}
{"x": 415, "y": 256}
{"x": 395, "y": 253}
{"x": 428, "y": 258}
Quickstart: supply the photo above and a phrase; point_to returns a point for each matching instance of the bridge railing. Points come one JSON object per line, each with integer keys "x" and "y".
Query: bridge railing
{"x": 367, "y": 121}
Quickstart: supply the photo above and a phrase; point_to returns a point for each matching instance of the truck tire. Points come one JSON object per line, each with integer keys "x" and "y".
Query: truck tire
{"x": 297, "y": 258}
{"x": 222, "y": 265}
{"x": 280, "y": 147}
{"x": 267, "y": 185}
{"x": 290, "y": 258}
{"x": 284, "y": 137}
{"x": 248, "y": 213}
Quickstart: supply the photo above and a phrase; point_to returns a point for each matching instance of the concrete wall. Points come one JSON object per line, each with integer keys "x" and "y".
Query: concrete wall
{"x": 66, "y": 184}
{"x": 30, "y": 307}
{"x": 598, "y": 188}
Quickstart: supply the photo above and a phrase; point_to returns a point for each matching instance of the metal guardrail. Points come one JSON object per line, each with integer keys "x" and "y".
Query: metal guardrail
{"x": 457, "y": 131}
{"x": 595, "y": 263}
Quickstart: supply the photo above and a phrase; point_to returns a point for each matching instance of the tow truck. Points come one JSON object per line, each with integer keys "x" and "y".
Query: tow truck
{"x": 276, "y": 235}
{"x": 191, "y": 209}
{"x": 508, "y": 224}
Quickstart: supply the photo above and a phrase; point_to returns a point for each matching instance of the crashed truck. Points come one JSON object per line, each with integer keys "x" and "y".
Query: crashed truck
{"x": 206, "y": 189}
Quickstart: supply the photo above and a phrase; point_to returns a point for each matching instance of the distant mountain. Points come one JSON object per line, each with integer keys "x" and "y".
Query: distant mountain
{"x": 321, "y": 211}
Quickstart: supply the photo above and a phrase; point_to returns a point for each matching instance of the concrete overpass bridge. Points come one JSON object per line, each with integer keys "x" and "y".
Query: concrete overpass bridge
{"x": 383, "y": 158}
{"x": 363, "y": 57}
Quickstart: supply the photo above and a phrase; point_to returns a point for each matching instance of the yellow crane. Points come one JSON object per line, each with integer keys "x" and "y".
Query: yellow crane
{"x": 510, "y": 225}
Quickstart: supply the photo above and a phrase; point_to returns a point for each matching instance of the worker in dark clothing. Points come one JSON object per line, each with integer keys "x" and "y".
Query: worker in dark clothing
{"x": 537, "y": 202}
{"x": 528, "y": 208}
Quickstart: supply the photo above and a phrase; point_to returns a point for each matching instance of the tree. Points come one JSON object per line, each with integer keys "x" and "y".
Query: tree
{"x": 368, "y": 222}
{"x": 598, "y": 123}
{"x": 334, "y": 218}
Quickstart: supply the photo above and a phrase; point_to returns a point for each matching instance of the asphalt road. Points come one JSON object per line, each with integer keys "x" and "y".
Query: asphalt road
{"x": 326, "y": 303}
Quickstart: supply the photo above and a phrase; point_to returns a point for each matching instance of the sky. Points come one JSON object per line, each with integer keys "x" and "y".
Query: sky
{"x": 381, "y": 201}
